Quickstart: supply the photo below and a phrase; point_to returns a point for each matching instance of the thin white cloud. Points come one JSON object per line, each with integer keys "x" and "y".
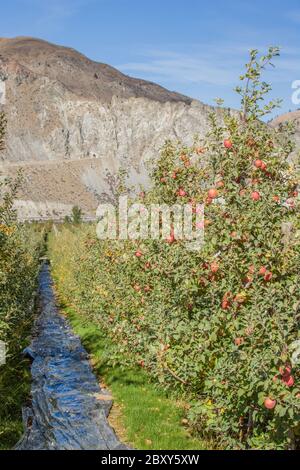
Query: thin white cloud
{"x": 200, "y": 64}
{"x": 182, "y": 69}
{"x": 218, "y": 65}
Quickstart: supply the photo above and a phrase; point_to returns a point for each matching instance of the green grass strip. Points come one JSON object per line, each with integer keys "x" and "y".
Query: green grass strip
{"x": 146, "y": 418}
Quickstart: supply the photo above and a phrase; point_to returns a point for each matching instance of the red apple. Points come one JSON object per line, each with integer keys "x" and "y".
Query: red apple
{"x": 286, "y": 370}
{"x": 220, "y": 184}
{"x": 225, "y": 304}
{"x": 181, "y": 192}
{"x": 212, "y": 193}
{"x": 263, "y": 166}
{"x": 138, "y": 254}
{"x": 239, "y": 341}
{"x": 262, "y": 271}
{"x": 228, "y": 143}
{"x": 288, "y": 380}
{"x": 163, "y": 180}
{"x": 258, "y": 163}
{"x": 268, "y": 276}
{"x": 200, "y": 150}
{"x": 214, "y": 267}
{"x": 226, "y": 301}
{"x": 270, "y": 404}
{"x": 170, "y": 239}
{"x": 255, "y": 195}
{"x": 276, "y": 198}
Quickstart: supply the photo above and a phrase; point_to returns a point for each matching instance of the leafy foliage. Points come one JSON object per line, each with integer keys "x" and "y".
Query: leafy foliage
{"x": 20, "y": 248}
{"x": 2, "y": 130}
{"x": 75, "y": 217}
{"x": 219, "y": 326}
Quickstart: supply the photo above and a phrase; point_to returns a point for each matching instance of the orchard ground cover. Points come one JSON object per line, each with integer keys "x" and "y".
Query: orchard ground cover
{"x": 143, "y": 416}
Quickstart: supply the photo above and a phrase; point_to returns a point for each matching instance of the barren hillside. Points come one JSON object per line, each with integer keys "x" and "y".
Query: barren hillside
{"x": 72, "y": 121}
{"x": 292, "y": 116}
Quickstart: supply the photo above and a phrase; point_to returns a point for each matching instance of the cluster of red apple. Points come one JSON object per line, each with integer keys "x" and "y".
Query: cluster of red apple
{"x": 240, "y": 298}
{"x": 138, "y": 288}
{"x": 213, "y": 192}
{"x": 260, "y": 164}
{"x": 267, "y": 275}
{"x": 255, "y": 195}
{"x": 163, "y": 179}
{"x": 286, "y": 376}
{"x": 228, "y": 299}
{"x": 213, "y": 268}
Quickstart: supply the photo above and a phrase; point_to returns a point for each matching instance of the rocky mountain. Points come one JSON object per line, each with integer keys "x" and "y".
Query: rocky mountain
{"x": 73, "y": 122}
{"x": 294, "y": 117}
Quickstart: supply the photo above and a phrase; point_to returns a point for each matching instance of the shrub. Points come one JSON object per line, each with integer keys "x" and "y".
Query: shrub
{"x": 20, "y": 248}
{"x": 2, "y": 129}
{"x": 220, "y": 326}
{"x": 76, "y": 215}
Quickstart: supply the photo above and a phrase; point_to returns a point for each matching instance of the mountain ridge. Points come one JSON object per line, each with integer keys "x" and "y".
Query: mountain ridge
{"x": 95, "y": 79}
{"x": 73, "y": 123}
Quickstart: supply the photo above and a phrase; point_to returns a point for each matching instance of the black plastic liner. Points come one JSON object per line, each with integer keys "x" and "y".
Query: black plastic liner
{"x": 68, "y": 409}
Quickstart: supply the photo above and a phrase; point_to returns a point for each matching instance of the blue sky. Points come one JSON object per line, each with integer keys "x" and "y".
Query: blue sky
{"x": 191, "y": 46}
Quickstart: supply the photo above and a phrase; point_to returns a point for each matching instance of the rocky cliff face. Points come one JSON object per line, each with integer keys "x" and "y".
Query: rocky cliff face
{"x": 289, "y": 117}
{"x": 72, "y": 122}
